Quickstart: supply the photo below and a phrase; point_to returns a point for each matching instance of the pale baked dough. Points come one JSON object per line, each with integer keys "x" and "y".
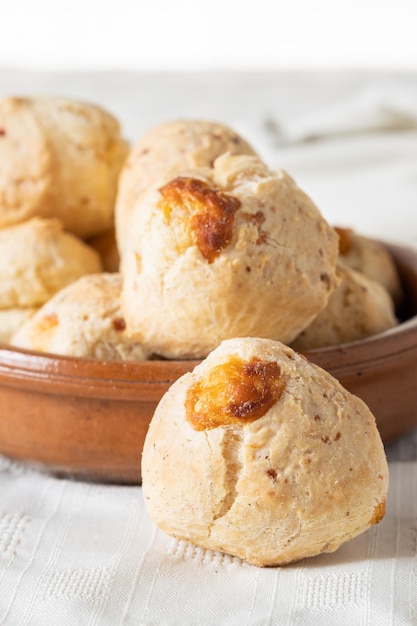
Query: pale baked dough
{"x": 236, "y": 250}
{"x": 301, "y": 479}
{"x": 11, "y": 320}
{"x": 372, "y": 258}
{"x": 169, "y": 147}
{"x": 359, "y": 307}
{"x": 83, "y": 320}
{"x": 59, "y": 158}
{"x": 37, "y": 259}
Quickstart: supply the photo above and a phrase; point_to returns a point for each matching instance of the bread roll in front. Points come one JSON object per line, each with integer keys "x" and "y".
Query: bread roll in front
{"x": 260, "y": 454}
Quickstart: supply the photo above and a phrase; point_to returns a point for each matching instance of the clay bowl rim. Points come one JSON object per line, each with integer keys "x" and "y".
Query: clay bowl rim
{"x": 85, "y": 377}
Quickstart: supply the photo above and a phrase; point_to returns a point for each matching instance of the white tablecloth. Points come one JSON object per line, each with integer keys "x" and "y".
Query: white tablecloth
{"x": 75, "y": 553}
{"x": 78, "y": 553}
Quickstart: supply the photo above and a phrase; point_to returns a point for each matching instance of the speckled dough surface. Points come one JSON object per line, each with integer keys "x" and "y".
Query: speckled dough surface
{"x": 169, "y": 147}
{"x": 37, "y": 259}
{"x": 359, "y": 307}
{"x": 59, "y": 158}
{"x": 83, "y": 320}
{"x": 371, "y": 258}
{"x": 235, "y": 250}
{"x": 294, "y": 465}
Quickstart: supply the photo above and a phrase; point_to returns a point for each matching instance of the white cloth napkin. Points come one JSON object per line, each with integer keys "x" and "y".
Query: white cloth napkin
{"x": 78, "y": 553}
{"x": 379, "y": 106}
{"x": 355, "y": 154}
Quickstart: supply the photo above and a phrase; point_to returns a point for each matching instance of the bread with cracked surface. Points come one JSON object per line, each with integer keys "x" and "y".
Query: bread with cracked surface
{"x": 260, "y": 454}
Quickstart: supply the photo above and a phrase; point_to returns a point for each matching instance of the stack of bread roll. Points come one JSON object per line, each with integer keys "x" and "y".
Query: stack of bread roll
{"x": 209, "y": 242}
{"x": 188, "y": 246}
{"x": 59, "y": 165}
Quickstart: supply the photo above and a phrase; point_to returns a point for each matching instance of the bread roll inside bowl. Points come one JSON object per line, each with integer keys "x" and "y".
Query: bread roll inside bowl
{"x": 233, "y": 250}
{"x": 359, "y": 307}
{"x": 371, "y": 258}
{"x": 84, "y": 319}
{"x": 263, "y": 455}
{"x": 37, "y": 259}
{"x": 59, "y": 158}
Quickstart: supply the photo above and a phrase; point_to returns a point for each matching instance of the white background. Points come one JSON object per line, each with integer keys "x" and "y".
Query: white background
{"x": 220, "y": 34}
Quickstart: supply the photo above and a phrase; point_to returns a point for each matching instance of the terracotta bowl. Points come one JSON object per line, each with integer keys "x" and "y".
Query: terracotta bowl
{"x": 88, "y": 418}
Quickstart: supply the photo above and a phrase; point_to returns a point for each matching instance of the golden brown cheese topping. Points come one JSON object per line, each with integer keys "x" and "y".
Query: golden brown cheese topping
{"x": 211, "y": 213}
{"x": 234, "y": 392}
{"x": 47, "y": 322}
{"x": 345, "y": 242}
{"x": 119, "y": 324}
{"x": 379, "y": 513}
